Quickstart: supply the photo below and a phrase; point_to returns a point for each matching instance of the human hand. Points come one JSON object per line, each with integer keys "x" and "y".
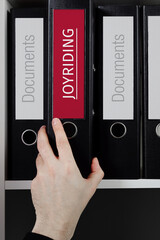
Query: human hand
{"x": 59, "y": 192}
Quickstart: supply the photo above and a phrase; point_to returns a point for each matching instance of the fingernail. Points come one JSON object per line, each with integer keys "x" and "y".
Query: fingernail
{"x": 97, "y": 161}
{"x": 43, "y": 126}
{"x": 55, "y": 121}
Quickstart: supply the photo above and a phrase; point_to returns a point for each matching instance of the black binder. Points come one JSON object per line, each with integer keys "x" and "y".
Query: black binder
{"x": 70, "y": 46}
{"x": 116, "y": 95}
{"x": 27, "y": 89}
{"x": 151, "y": 119}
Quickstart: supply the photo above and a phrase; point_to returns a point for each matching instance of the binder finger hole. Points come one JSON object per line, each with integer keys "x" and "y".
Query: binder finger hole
{"x": 118, "y": 130}
{"x": 29, "y": 137}
{"x": 158, "y": 130}
{"x": 70, "y": 129}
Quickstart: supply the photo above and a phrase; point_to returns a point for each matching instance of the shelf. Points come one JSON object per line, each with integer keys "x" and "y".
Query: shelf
{"x": 105, "y": 184}
{"x": 17, "y": 185}
{"x": 133, "y": 184}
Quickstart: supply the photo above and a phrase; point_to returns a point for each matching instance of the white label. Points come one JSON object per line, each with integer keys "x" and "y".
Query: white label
{"x": 118, "y": 68}
{"x": 29, "y": 68}
{"x": 153, "y": 67}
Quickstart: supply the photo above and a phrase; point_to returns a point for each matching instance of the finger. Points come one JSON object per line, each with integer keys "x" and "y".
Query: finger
{"x": 39, "y": 162}
{"x": 44, "y": 147}
{"x": 62, "y": 142}
{"x": 96, "y": 174}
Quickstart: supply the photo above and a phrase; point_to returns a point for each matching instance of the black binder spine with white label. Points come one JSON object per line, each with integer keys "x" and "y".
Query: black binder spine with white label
{"x": 27, "y": 88}
{"x": 70, "y": 83}
{"x": 116, "y": 95}
{"x": 151, "y": 96}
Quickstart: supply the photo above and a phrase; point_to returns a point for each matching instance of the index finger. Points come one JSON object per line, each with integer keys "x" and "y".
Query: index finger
{"x": 63, "y": 145}
{"x": 44, "y": 147}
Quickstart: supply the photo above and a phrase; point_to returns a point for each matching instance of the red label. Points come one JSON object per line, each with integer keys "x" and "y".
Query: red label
{"x": 68, "y": 63}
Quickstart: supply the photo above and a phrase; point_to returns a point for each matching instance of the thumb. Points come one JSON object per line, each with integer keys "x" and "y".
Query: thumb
{"x": 96, "y": 174}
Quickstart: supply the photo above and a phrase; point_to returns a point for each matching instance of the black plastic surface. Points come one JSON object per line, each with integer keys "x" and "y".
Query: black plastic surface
{"x": 110, "y": 214}
{"x": 119, "y": 157}
{"x": 151, "y": 142}
{"x": 21, "y": 158}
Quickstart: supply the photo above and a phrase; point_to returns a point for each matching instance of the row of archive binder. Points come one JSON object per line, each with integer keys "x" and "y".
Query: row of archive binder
{"x": 83, "y": 63}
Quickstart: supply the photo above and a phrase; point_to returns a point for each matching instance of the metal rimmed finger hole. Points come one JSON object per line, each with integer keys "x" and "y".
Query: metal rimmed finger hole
{"x": 118, "y": 130}
{"x": 70, "y": 129}
{"x": 158, "y": 129}
{"x": 29, "y": 137}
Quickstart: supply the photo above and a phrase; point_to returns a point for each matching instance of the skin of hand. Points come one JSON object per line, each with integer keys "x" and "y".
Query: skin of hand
{"x": 59, "y": 192}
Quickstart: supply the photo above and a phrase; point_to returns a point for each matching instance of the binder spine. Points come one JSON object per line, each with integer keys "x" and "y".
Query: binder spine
{"x": 75, "y": 111}
{"x": 118, "y": 129}
{"x": 92, "y": 76}
{"x": 27, "y": 88}
{"x": 145, "y": 91}
{"x": 151, "y": 150}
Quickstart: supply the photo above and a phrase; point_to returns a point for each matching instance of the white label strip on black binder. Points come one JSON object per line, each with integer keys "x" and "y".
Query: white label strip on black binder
{"x": 29, "y": 68}
{"x": 153, "y": 67}
{"x": 118, "y": 69}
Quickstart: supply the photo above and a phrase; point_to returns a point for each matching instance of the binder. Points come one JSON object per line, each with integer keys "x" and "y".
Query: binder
{"x": 27, "y": 89}
{"x": 70, "y": 88}
{"x": 151, "y": 96}
{"x": 117, "y": 91}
